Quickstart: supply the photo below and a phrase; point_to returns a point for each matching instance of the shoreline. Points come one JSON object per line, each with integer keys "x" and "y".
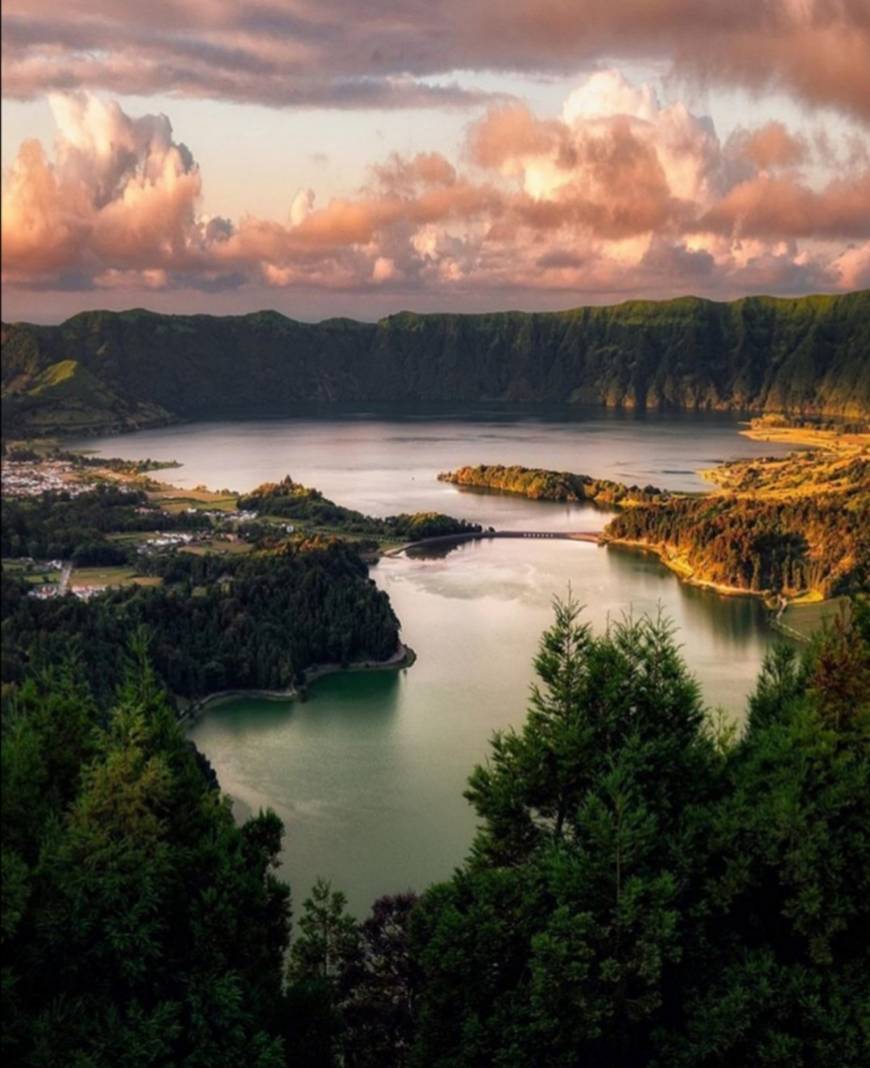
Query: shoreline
{"x": 403, "y": 657}
{"x": 684, "y": 572}
{"x": 165, "y": 419}
{"x": 810, "y": 437}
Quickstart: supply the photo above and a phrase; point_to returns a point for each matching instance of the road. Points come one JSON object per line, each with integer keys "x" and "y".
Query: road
{"x": 63, "y": 581}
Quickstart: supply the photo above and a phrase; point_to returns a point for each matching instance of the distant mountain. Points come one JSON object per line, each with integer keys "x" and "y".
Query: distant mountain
{"x": 103, "y": 370}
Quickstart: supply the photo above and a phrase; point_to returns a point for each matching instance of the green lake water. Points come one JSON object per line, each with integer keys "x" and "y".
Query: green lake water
{"x": 368, "y": 774}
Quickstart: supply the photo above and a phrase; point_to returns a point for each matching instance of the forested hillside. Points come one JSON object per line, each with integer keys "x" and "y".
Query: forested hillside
{"x": 791, "y": 526}
{"x": 102, "y": 370}
{"x": 215, "y": 622}
{"x": 809, "y": 545}
{"x": 644, "y": 891}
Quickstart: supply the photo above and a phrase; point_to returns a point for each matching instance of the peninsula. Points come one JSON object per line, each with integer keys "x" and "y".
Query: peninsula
{"x": 792, "y": 528}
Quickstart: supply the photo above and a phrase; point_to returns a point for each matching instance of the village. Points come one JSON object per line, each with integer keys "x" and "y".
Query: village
{"x": 219, "y": 527}
{"x": 29, "y": 478}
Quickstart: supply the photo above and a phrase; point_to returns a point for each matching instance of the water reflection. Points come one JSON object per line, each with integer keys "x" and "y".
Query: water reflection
{"x": 369, "y": 697}
{"x": 368, "y": 774}
{"x": 736, "y": 619}
{"x": 437, "y": 551}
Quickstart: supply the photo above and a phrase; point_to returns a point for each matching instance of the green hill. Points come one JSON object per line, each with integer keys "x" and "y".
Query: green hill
{"x": 101, "y": 370}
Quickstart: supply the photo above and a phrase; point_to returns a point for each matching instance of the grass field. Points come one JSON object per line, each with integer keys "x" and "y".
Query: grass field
{"x": 133, "y": 537}
{"x": 111, "y": 576}
{"x": 226, "y": 548}
{"x": 23, "y": 569}
{"x": 174, "y": 500}
{"x": 40, "y": 578}
{"x": 813, "y": 436}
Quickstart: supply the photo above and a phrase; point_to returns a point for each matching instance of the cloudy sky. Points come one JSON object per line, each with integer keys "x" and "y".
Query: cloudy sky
{"x": 332, "y": 157}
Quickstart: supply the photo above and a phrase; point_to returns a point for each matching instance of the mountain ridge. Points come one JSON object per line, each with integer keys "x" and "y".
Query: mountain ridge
{"x": 101, "y": 370}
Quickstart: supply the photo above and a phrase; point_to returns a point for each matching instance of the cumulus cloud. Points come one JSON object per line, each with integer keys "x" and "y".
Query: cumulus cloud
{"x": 853, "y": 267}
{"x": 783, "y": 207}
{"x": 769, "y": 146}
{"x": 622, "y": 194}
{"x": 119, "y": 192}
{"x": 621, "y": 163}
{"x": 276, "y": 52}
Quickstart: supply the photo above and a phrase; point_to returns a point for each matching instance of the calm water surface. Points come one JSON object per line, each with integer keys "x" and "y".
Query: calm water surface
{"x": 386, "y": 465}
{"x": 368, "y": 774}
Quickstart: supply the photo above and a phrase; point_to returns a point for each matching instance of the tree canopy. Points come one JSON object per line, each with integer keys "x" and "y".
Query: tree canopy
{"x": 643, "y": 889}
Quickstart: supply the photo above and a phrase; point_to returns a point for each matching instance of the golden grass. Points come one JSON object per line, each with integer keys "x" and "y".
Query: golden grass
{"x": 797, "y": 435}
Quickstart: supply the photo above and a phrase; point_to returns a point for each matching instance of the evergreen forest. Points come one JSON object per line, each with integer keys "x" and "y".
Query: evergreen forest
{"x": 646, "y": 887}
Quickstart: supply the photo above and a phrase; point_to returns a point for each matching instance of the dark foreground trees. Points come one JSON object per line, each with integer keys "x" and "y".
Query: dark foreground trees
{"x": 141, "y": 926}
{"x": 641, "y": 894}
{"x": 642, "y": 891}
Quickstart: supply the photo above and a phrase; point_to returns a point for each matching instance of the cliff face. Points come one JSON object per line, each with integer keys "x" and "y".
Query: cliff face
{"x": 99, "y": 369}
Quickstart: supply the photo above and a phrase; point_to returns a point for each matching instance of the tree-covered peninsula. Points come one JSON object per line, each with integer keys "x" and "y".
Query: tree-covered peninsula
{"x": 541, "y": 485}
{"x": 230, "y": 600}
{"x": 794, "y": 527}
{"x": 812, "y": 546}
{"x": 259, "y": 621}
{"x": 645, "y": 890}
{"x": 104, "y": 370}
{"x": 290, "y": 500}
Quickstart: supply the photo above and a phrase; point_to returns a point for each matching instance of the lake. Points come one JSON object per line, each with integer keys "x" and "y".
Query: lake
{"x": 368, "y": 773}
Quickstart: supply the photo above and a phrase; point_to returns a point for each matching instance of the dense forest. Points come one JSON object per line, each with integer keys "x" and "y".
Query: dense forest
{"x": 215, "y": 622}
{"x": 289, "y": 500}
{"x": 791, "y": 525}
{"x": 811, "y": 543}
{"x": 645, "y": 889}
{"x": 541, "y": 485}
{"x": 105, "y": 370}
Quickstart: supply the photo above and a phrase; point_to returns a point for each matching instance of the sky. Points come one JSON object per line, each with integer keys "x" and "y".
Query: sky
{"x": 330, "y": 158}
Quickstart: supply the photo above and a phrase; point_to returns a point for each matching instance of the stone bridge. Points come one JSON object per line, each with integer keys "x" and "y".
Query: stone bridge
{"x": 593, "y": 536}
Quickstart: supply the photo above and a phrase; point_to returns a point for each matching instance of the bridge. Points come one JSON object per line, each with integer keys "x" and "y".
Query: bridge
{"x": 593, "y": 536}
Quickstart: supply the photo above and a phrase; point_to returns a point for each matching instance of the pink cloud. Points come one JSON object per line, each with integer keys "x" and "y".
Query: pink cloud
{"x": 322, "y": 53}
{"x": 621, "y": 195}
{"x": 771, "y": 145}
{"x": 784, "y": 208}
{"x": 853, "y": 267}
{"x": 510, "y": 133}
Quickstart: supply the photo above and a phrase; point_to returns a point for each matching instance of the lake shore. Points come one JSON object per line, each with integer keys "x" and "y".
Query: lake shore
{"x": 403, "y": 657}
{"x": 778, "y": 605}
{"x": 815, "y": 437}
{"x": 683, "y": 570}
{"x": 834, "y": 442}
